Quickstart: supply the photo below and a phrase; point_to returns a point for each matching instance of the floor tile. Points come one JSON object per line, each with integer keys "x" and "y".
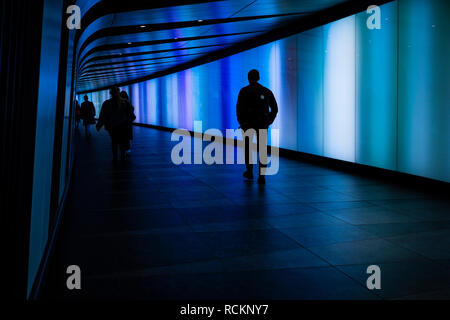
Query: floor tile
{"x": 372, "y": 251}
{"x": 325, "y": 235}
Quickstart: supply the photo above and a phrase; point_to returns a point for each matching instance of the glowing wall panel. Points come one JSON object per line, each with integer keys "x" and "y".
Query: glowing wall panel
{"x": 310, "y": 58}
{"x": 137, "y": 101}
{"x": 376, "y": 90}
{"x": 289, "y": 78}
{"x": 212, "y": 75}
{"x": 424, "y": 95}
{"x": 186, "y": 101}
{"x": 339, "y": 90}
{"x": 151, "y": 102}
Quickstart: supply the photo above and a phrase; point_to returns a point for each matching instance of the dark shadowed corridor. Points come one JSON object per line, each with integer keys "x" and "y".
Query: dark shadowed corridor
{"x": 153, "y": 230}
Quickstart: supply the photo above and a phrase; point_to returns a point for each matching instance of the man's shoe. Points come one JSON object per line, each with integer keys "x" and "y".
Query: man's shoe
{"x": 248, "y": 175}
{"x": 261, "y": 180}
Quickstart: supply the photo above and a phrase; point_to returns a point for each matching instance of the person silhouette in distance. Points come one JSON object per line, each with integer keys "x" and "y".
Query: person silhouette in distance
{"x": 256, "y": 109}
{"x": 115, "y": 115}
{"x": 87, "y": 113}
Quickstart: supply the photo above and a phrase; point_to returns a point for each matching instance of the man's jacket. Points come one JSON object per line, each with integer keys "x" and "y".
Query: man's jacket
{"x": 256, "y": 107}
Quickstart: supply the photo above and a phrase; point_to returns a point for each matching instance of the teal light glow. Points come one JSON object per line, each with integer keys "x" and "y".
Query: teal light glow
{"x": 376, "y": 89}
{"x": 423, "y": 93}
{"x": 310, "y": 58}
{"x": 288, "y": 94}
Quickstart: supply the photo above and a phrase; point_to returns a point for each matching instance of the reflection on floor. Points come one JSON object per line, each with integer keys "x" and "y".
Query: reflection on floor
{"x": 154, "y": 230}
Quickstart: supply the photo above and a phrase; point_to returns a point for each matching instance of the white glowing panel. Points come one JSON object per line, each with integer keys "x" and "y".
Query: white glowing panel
{"x": 339, "y": 90}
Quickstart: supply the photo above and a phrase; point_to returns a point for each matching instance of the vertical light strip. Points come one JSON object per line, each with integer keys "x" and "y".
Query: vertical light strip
{"x": 275, "y": 85}
{"x": 172, "y": 96}
{"x": 423, "y": 93}
{"x": 415, "y": 92}
{"x": 376, "y": 94}
{"x": 310, "y": 61}
{"x": 142, "y": 99}
{"x": 339, "y": 90}
{"x": 189, "y": 112}
{"x": 136, "y": 101}
{"x": 151, "y": 102}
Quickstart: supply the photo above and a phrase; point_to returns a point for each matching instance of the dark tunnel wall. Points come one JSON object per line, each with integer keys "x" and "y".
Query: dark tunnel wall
{"x": 36, "y": 70}
{"x": 45, "y": 134}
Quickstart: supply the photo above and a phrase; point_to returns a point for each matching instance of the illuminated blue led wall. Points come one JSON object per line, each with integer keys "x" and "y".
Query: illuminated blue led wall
{"x": 377, "y": 97}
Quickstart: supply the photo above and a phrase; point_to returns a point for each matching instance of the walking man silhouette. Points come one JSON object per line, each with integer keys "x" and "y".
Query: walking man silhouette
{"x": 256, "y": 109}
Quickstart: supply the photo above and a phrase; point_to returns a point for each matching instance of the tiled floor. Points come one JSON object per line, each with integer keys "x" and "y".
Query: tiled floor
{"x": 154, "y": 230}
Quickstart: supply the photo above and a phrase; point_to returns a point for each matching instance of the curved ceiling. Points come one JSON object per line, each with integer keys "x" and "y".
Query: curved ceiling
{"x": 122, "y": 42}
